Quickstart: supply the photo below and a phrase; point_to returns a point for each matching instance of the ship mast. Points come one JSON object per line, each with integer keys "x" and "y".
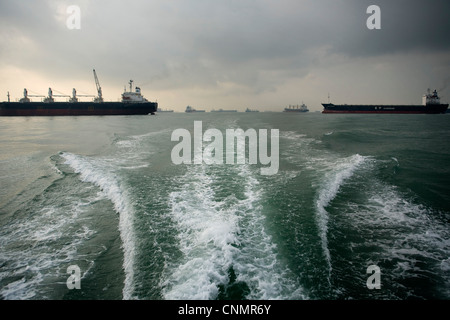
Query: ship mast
{"x": 99, "y": 89}
{"x": 131, "y": 85}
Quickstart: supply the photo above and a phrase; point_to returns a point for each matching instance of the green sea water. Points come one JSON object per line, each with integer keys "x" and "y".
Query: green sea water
{"x": 102, "y": 193}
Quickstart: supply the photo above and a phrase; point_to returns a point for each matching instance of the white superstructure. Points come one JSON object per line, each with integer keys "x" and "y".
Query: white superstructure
{"x": 133, "y": 96}
{"x": 431, "y": 98}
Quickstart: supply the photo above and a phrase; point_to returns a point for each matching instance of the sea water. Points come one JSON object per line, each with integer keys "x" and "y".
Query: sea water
{"x": 102, "y": 193}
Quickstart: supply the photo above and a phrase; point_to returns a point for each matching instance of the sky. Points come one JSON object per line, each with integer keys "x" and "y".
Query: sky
{"x": 230, "y": 54}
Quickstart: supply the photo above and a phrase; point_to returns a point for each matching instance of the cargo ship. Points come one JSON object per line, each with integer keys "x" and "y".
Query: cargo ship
{"x": 189, "y": 109}
{"x": 132, "y": 103}
{"x": 223, "y": 110}
{"x": 297, "y": 108}
{"x": 431, "y": 104}
{"x": 165, "y": 110}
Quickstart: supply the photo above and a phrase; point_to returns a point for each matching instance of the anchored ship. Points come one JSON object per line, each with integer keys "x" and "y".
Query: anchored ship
{"x": 223, "y": 110}
{"x": 164, "y": 110}
{"x": 189, "y": 109}
{"x": 430, "y": 104}
{"x": 297, "y": 108}
{"x": 133, "y": 103}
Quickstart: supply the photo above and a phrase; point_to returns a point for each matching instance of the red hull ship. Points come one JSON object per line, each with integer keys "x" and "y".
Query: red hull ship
{"x": 430, "y": 104}
{"x": 133, "y": 103}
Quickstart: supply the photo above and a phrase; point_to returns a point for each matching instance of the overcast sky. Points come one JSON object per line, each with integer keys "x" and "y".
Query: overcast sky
{"x": 263, "y": 54}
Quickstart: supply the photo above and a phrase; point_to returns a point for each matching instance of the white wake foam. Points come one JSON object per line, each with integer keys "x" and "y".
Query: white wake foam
{"x": 413, "y": 233}
{"x": 101, "y": 174}
{"x": 216, "y": 235}
{"x": 337, "y": 172}
{"x": 37, "y": 246}
{"x": 207, "y": 235}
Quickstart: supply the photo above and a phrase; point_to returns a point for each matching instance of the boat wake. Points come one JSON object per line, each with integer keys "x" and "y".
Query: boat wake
{"x": 333, "y": 179}
{"x": 226, "y": 251}
{"x": 101, "y": 174}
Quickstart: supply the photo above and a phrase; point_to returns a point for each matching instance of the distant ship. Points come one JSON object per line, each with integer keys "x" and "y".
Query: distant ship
{"x": 164, "y": 110}
{"x": 133, "y": 103}
{"x": 430, "y": 104}
{"x": 222, "y": 110}
{"x": 297, "y": 108}
{"x": 251, "y": 110}
{"x": 190, "y": 109}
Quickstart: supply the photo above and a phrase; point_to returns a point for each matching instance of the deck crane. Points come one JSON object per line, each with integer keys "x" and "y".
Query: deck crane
{"x": 51, "y": 95}
{"x": 26, "y": 95}
{"x": 74, "y": 97}
{"x": 99, "y": 98}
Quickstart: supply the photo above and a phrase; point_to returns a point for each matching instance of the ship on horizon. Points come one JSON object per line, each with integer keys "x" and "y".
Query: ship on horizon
{"x": 223, "y": 110}
{"x": 164, "y": 110}
{"x": 189, "y": 109}
{"x": 133, "y": 103}
{"x": 297, "y": 108}
{"x": 431, "y": 104}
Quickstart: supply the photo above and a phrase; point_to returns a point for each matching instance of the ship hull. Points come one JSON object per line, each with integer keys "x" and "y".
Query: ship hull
{"x": 76, "y": 108}
{"x": 385, "y": 109}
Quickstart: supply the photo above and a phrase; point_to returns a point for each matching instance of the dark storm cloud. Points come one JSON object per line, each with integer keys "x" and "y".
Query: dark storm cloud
{"x": 178, "y": 44}
{"x": 33, "y": 39}
{"x": 27, "y": 14}
{"x": 286, "y": 28}
{"x": 406, "y": 25}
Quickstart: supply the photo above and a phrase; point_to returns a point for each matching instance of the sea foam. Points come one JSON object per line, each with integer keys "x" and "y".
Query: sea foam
{"x": 337, "y": 173}
{"x": 101, "y": 174}
{"x": 219, "y": 234}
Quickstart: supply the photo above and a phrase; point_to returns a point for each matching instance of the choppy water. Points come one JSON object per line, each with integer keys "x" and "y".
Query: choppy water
{"x": 102, "y": 193}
